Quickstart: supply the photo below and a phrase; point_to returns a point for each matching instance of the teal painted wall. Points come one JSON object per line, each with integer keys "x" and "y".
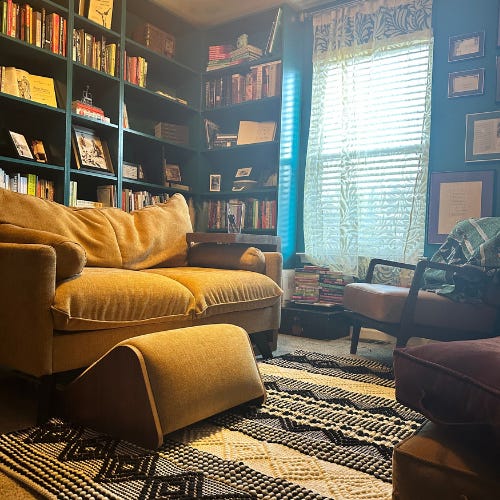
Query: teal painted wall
{"x": 447, "y": 145}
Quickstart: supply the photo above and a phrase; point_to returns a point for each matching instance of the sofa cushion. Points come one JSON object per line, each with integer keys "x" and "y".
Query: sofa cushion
{"x": 231, "y": 256}
{"x": 70, "y": 256}
{"x": 452, "y": 382}
{"x": 218, "y": 291}
{"x": 105, "y": 298}
{"x": 385, "y": 303}
{"x": 110, "y": 236}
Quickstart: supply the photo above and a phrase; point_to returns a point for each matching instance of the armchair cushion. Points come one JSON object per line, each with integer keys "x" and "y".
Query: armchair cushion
{"x": 70, "y": 256}
{"x": 232, "y": 256}
{"x": 452, "y": 383}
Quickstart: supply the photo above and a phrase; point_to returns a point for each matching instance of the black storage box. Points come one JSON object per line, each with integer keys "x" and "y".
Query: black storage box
{"x": 314, "y": 322}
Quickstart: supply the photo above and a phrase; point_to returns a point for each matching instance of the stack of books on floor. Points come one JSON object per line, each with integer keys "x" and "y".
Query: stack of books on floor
{"x": 319, "y": 285}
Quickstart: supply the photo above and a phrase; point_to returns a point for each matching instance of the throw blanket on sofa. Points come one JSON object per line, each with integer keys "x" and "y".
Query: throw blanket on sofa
{"x": 472, "y": 242}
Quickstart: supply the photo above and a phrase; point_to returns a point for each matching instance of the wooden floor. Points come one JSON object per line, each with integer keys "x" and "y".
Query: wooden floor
{"x": 18, "y": 395}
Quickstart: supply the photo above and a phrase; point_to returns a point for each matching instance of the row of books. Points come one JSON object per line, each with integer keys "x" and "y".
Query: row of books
{"x": 319, "y": 285}
{"x": 27, "y": 184}
{"x": 135, "y": 70}
{"x": 44, "y": 29}
{"x": 263, "y": 80}
{"x": 259, "y": 214}
{"x": 95, "y": 52}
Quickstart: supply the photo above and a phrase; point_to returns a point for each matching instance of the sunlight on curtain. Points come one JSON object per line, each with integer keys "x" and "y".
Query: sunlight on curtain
{"x": 366, "y": 167}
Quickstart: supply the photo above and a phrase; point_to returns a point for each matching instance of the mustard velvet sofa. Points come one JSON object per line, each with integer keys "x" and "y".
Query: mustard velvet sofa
{"x": 77, "y": 281}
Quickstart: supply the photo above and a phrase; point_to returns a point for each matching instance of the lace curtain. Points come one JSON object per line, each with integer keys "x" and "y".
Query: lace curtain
{"x": 366, "y": 167}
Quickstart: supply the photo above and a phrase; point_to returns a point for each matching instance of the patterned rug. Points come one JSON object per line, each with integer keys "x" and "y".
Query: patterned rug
{"x": 327, "y": 430}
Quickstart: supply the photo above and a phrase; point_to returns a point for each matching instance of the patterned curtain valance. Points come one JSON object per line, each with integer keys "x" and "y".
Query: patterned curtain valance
{"x": 369, "y": 21}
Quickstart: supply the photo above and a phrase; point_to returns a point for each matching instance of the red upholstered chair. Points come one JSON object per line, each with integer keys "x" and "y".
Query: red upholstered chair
{"x": 412, "y": 312}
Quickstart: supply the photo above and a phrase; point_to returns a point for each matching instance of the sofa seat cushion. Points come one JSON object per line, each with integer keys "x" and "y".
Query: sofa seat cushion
{"x": 385, "y": 303}
{"x": 218, "y": 291}
{"x": 104, "y": 298}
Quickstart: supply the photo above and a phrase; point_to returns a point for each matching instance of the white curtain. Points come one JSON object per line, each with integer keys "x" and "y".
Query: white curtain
{"x": 366, "y": 168}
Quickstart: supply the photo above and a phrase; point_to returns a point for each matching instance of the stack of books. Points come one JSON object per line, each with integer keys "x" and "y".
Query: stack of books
{"x": 237, "y": 56}
{"x": 89, "y": 110}
{"x": 172, "y": 132}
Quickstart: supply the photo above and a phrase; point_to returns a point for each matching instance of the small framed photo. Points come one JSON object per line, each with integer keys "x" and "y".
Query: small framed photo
{"x": 172, "y": 172}
{"x": 464, "y": 83}
{"x": 90, "y": 150}
{"x": 21, "y": 145}
{"x": 482, "y": 136}
{"x": 243, "y": 172}
{"x": 466, "y": 46}
{"x": 38, "y": 150}
{"x": 455, "y": 196}
{"x": 132, "y": 170}
{"x": 215, "y": 182}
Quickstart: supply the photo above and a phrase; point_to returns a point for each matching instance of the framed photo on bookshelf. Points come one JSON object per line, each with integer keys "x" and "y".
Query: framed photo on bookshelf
{"x": 172, "y": 172}
{"x": 21, "y": 145}
{"x": 243, "y": 172}
{"x": 90, "y": 150}
{"x": 456, "y": 196}
{"x": 466, "y": 46}
{"x": 38, "y": 150}
{"x": 215, "y": 181}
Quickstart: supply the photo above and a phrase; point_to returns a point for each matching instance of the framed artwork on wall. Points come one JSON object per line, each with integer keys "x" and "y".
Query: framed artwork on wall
{"x": 455, "y": 196}
{"x": 482, "y": 136}
{"x": 464, "y": 83}
{"x": 466, "y": 46}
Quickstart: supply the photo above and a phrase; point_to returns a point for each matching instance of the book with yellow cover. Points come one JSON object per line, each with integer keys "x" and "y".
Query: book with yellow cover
{"x": 20, "y": 83}
{"x": 101, "y": 12}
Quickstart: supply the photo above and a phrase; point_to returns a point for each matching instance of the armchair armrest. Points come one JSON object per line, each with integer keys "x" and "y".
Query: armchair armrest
{"x": 27, "y": 290}
{"x": 384, "y": 262}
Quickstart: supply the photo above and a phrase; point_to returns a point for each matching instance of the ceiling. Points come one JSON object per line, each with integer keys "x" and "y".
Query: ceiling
{"x": 210, "y": 12}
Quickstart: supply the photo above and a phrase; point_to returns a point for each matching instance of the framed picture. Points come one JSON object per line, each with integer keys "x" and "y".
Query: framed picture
{"x": 482, "y": 136}
{"x": 466, "y": 46}
{"x": 90, "y": 150}
{"x": 215, "y": 181}
{"x": 172, "y": 172}
{"x": 21, "y": 145}
{"x": 455, "y": 196}
{"x": 243, "y": 172}
{"x": 464, "y": 83}
{"x": 132, "y": 170}
{"x": 38, "y": 150}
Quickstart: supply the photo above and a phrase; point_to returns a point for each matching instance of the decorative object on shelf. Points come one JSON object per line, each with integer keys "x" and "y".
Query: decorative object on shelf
{"x": 466, "y": 46}
{"x": 251, "y": 132}
{"x": 101, "y": 12}
{"x": 85, "y": 107}
{"x": 172, "y": 172}
{"x": 482, "y": 136}
{"x": 215, "y": 182}
{"x": 235, "y": 212}
{"x": 132, "y": 171}
{"x": 90, "y": 150}
{"x": 20, "y": 145}
{"x": 155, "y": 39}
{"x": 38, "y": 150}
{"x": 456, "y": 196}
{"x": 465, "y": 83}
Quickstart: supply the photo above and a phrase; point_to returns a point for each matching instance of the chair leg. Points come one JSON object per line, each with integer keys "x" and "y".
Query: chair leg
{"x": 261, "y": 341}
{"x": 402, "y": 341}
{"x": 355, "y": 331}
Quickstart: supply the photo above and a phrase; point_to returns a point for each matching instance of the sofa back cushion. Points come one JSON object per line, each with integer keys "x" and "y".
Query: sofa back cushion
{"x": 152, "y": 236}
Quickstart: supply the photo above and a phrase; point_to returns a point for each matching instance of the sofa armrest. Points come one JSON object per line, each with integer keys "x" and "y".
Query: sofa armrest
{"x": 70, "y": 256}
{"x": 274, "y": 266}
{"x": 27, "y": 290}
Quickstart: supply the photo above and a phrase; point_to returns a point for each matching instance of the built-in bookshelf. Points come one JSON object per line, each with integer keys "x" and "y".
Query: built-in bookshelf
{"x": 142, "y": 89}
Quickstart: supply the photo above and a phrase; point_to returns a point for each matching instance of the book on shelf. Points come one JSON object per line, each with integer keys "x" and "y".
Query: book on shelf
{"x": 211, "y": 129}
{"x": 251, "y": 132}
{"x": 273, "y": 33}
{"x": 180, "y": 187}
{"x": 88, "y": 204}
{"x": 101, "y": 12}
{"x": 107, "y": 195}
{"x": 20, "y": 83}
{"x": 83, "y": 109}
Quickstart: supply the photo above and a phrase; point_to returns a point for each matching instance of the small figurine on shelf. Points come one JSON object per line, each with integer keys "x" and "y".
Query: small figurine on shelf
{"x": 87, "y": 96}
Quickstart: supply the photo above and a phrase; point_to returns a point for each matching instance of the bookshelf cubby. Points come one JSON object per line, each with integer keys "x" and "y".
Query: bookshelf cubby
{"x": 170, "y": 89}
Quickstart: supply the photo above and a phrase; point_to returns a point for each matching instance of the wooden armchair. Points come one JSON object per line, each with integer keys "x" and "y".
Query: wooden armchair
{"x": 413, "y": 312}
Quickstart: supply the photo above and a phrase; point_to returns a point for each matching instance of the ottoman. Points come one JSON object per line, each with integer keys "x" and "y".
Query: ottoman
{"x": 151, "y": 385}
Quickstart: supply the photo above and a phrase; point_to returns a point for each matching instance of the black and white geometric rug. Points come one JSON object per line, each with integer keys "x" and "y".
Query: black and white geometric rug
{"x": 327, "y": 430}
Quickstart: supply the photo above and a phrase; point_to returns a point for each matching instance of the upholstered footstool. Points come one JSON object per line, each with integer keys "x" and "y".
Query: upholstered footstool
{"x": 151, "y": 385}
